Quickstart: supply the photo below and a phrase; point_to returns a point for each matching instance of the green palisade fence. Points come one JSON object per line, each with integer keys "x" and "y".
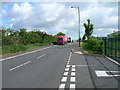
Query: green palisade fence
{"x": 112, "y": 48}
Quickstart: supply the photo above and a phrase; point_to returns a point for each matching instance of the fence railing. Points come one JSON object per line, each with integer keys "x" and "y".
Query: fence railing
{"x": 112, "y": 48}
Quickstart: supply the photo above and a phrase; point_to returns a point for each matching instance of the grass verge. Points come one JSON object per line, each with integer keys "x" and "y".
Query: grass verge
{"x": 11, "y": 49}
{"x": 87, "y": 50}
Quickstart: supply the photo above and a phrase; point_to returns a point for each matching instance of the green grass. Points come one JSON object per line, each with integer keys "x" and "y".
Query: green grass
{"x": 0, "y": 50}
{"x": 20, "y": 48}
{"x": 87, "y": 50}
{"x": 35, "y": 46}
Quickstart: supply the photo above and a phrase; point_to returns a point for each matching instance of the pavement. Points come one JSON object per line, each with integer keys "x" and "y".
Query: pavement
{"x": 60, "y": 67}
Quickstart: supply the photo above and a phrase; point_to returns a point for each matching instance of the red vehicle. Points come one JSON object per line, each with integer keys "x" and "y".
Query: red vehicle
{"x": 62, "y": 40}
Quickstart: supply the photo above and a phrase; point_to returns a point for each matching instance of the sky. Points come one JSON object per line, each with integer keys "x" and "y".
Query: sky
{"x": 57, "y": 17}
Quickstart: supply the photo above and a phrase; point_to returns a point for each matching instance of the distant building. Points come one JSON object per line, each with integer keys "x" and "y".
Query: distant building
{"x": 103, "y": 38}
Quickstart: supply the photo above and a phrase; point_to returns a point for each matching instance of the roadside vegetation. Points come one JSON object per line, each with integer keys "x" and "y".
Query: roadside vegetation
{"x": 13, "y": 41}
{"x": 94, "y": 45}
{"x": 91, "y": 45}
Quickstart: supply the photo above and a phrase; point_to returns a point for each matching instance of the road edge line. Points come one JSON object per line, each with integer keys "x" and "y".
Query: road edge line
{"x": 112, "y": 60}
{"x": 24, "y": 53}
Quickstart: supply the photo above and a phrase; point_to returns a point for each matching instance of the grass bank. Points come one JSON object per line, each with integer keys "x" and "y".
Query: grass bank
{"x": 86, "y": 50}
{"x": 90, "y": 49}
{"x": 11, "y": 49}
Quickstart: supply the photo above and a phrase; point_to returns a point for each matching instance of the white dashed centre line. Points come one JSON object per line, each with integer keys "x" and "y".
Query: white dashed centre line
{"x": 19, "y": 65}
{"x": 41, "y": 56}
{"x": 64, "y": 79}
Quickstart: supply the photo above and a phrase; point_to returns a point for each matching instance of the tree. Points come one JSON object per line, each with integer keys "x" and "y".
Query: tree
{"x": 61, "y": 34}
{"x": 88, "y": 29}
{"x": 84, "y": 37}
{"x": 114, "y": 34}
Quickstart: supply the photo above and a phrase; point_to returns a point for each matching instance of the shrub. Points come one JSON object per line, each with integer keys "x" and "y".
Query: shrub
{"x": 94, "y": 44}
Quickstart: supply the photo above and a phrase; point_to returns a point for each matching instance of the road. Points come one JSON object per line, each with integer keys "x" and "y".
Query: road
{"x": 60, "y": 67}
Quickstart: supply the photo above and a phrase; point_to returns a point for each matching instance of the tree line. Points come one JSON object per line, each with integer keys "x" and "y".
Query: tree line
{"x": 22, "y": 36}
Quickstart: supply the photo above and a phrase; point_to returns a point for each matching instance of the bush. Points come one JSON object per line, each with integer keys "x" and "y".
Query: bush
{"x": 13, "y": 48}
{"x": 94, "y": 44}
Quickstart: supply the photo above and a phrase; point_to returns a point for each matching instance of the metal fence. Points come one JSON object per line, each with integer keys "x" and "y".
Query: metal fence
{"x": 112, "y": 48}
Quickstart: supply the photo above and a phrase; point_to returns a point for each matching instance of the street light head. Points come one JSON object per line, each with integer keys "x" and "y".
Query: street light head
{"x": 72, "y": 7}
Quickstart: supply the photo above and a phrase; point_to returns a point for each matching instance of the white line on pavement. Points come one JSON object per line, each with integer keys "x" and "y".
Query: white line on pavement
{"x": 41, "y": 56}
{"x": 67, "y": 63}
{"x": 20, "y": 65}
{"x": 73, "y": 66}
{"x": 73, "y": 73}
{"x": 62, "y": 86}
{"x": 72, "y": 79}
{"x": 64, "y": 79}
{"x": 68, "y": 66}
{"x": 65, "y": 73}
{"x": 73, "y": 69}
{"x": 70, "y": 56}
{"x": 24, "y": 54}
{"x": 72, "y": 86}
{"x": 66, "y": 69}
{"x": 104, "y": 74}
{"x": 51, "y": 51}
{"x": 113, "y": 60}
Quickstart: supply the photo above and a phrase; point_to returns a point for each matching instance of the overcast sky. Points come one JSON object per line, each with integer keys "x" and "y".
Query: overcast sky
{"x": 59, "y": 17}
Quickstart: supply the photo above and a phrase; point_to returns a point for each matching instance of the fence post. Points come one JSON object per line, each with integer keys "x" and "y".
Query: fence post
{"x": 105, "y": 46}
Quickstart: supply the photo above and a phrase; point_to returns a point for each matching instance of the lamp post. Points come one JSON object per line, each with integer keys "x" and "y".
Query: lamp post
{"x": 78, "y": 23}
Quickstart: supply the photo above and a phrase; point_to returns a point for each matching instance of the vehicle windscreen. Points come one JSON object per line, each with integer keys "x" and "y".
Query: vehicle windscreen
{"x": 60, "y": 38}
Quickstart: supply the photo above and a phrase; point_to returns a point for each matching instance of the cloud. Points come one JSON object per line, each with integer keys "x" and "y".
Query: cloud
{"x": 59, "y": 17}
{"x": 1, "y": 20}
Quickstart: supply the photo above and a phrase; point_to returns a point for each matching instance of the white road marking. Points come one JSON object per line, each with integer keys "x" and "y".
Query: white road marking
{"x": 66, "y": 69}
{"x": 24, "y": 54}
{"x": 73, "y": 73}
{"x": 70, "y": 56}
{"x": 79, "y": 52}
{"x": 67, "y": 63}
{"x": 73, "y": 66}
{"x": 64, "y": 79}
{"x": 51, "y": 51}
{"x": 65, "y": 73}
{"x": 40, "y": 56}
{"x": 86, "y": 65}
{"x": 19, "y": 65}
{"x": 104, "y": 74}
{"x": 72, "y": 86}
{"x": 113, "y": 60}
{"x": 61, "y": 86}
{"x": 114, "y": 71}
{"x": 73, "y": 69}
{"x": 72, "y": 79}
{"x": 68, "y": 66}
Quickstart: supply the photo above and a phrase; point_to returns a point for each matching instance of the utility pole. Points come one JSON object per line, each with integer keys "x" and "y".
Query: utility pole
{"x": 78, "y": 23}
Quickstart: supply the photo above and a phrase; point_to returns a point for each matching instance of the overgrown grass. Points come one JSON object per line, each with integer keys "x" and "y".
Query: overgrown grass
{"x": 93, "y": 46}
{"x": 19, "y": 47}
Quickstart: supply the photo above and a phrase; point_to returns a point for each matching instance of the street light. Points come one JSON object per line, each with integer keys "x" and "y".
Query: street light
{"x": 78, "y": 23}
